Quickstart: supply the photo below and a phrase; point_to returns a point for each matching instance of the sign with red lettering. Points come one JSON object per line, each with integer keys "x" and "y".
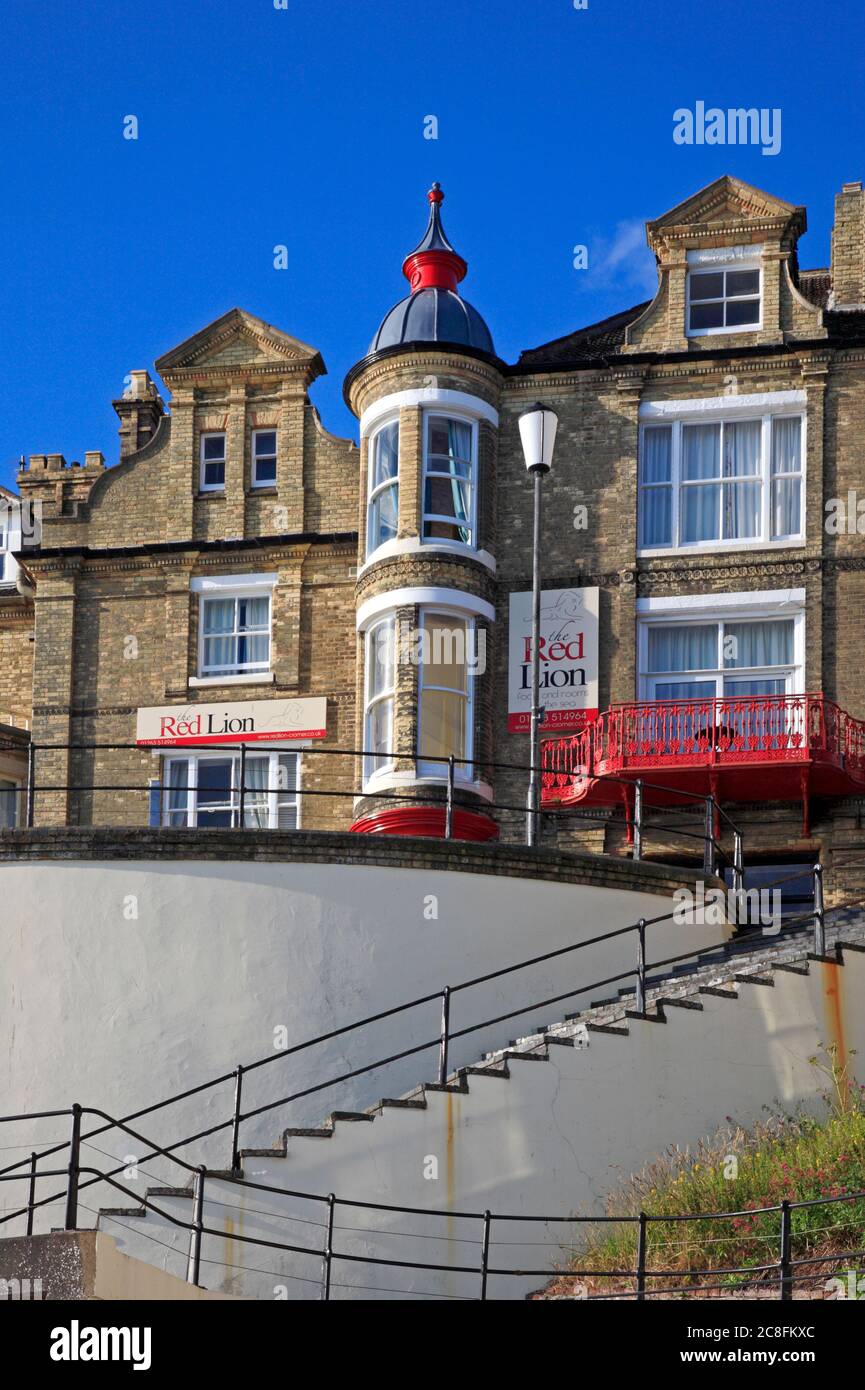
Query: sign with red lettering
{"x": 250, "y": 721}
{"x": 568, "y": 652}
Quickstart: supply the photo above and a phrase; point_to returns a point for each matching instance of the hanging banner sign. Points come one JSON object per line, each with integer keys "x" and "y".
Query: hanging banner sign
{"x": 568, "y": 655}
{"x": 250, "y": 721}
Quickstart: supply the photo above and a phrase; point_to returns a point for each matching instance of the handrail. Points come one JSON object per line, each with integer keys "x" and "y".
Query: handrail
{"x": 783, "y": 1269}
{"x": 641, "y": 971}
{"x": 453, "y": 785}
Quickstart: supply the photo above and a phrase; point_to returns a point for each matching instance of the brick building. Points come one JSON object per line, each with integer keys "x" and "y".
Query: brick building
{"x": 244, "y": 595}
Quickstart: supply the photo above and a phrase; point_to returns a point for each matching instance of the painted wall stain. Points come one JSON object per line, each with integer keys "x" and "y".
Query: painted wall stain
{"x": 833, "y": 1006}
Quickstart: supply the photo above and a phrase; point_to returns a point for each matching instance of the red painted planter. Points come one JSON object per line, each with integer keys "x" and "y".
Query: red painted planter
{"x": 428, "y": 821}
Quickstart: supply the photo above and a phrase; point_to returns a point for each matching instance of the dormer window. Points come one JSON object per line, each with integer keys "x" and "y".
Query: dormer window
{"x": 212, "y": 462}
{"x": 724, "y": 291}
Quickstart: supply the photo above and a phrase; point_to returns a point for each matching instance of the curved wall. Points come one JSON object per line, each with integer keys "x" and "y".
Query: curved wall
{"x": 127, "y": 979}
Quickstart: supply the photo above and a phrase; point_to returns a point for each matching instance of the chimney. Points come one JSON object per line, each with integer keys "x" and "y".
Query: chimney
{"x": 140, "y": 409}
{"x": 848, "y": 249}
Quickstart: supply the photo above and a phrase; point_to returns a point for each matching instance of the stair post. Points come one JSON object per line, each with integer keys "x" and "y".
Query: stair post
{"x": 328, "y": 1245}
{"x": 31, "y": 784}
{"x": 443, "y": 1042}
{"x": 641, "y": 1258}
{"x": 31, "y": 1195}
{"x": 640, "y": 999}
{"x": 786, "y": 1270}
{"x": 709, "y": 838}
{"x": 193, "y": 1266}
{"x": 449, "y": 804}
{"x": 738, "y": 864}
{"x": 71, "y": 1220}
{"x": 235, "y": 1124}
{"x": 638, "y": 819}
{"x": 485, "y": 1254}
{"x": 819, "y": 914}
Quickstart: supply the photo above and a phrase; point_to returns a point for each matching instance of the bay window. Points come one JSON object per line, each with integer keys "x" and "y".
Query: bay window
{"x": 383, "y": 490}
{"x": 444, "y": 693}
{"x": 203, "y": 790}
{"x": 720, "y": 482}
{"x": 380, "y": 678}
{"x": 450, "y": 452}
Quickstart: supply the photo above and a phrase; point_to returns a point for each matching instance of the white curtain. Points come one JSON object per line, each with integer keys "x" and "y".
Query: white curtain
{"x": 253, "y": 646}
{"x": 700, "y": 502}
{"x": 656, "y": 497}
{"x": 255, "y": 812}
{"x": 759, "y": 644}
{"x": 683, "y": 647}
{"x": 786, "y": 477}
{"x": 742, "y": 501}
{"x": 385, "y": 455}
{"x": 218, "y": 619}
{"x": 178, "y": 795}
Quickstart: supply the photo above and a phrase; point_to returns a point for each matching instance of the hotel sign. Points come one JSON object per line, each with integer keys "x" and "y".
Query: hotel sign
{"x": 250, "y": 721}
{"x": 569, "y": 660}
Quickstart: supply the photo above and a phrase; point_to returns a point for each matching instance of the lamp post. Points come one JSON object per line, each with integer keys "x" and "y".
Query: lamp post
{"x": 538, "y": 426}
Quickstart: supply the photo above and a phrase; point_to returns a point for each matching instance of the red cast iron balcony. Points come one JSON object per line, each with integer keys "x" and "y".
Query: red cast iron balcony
{"x": 752, "y": 748}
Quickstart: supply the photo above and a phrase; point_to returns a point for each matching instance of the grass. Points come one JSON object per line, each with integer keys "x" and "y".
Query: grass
{"x": 795, "y": 1157}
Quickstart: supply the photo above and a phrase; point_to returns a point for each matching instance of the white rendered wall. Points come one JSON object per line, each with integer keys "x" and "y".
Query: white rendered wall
{"x": 554, "y": 1137}
{"x": 125, "y": 982}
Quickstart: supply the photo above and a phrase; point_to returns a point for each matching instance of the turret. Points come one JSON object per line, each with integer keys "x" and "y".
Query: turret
{"x": 427, "y": 396}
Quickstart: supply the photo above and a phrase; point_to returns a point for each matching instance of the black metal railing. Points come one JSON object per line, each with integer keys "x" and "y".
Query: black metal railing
{"x": 639, "y": 974}
{"x": 780, "y": 1275}
{"x": 455, "y": 793}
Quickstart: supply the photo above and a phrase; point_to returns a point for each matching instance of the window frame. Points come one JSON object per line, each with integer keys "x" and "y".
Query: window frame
{"x": 676, "y": 424}
{"x": 443, "y": 412}
{"x": 248, "y": 670}
{"x": 257, "y": 482}
{"x": 793, "y": 673}
{"x": 193, "y": 757}
{"x": 374, "y": 492}
{"x": 724, "y": 267}
{"x": 14, "y": 790}
{"x": 432, "y": 767}
{"x": 387, "y": 695}
{"x": 203, "y": 485}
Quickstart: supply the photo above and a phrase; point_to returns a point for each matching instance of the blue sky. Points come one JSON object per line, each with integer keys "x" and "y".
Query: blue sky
{"x": 304, "y": 126}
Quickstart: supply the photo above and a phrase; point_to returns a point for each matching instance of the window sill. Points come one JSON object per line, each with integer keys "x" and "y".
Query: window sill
{"x": 263, "y": 490}
{"x": 414, "y": 545}
{"x": 210, "y": 492}
{"x": 253, "y": 678}
{"x": 385, "y": 781}
{"x": 716, "y": 548}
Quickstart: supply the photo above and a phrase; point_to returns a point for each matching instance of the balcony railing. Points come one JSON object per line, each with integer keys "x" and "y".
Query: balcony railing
{"x": 749, "y": 748}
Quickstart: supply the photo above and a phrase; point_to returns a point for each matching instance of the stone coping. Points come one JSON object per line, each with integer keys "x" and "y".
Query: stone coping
{"x": 340, "y": 847}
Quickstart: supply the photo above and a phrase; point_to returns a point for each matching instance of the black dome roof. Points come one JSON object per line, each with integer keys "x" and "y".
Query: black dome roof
{"x": 434, "y": 311}
{"x": 433, "y": 315}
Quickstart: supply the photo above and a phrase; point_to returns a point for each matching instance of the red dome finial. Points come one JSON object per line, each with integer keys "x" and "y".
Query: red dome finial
{"x": 434, "y": 264}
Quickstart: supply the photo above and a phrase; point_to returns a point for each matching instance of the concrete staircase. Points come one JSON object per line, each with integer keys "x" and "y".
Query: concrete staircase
{"x": 550, "y": 1124}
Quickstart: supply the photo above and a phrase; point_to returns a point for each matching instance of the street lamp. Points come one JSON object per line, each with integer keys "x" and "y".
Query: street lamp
{"x": 538, "y": 425}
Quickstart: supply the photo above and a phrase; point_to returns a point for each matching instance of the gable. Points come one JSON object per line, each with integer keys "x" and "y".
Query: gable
{"x": 729, "y": 207}
{"x": 237, "y": 340}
